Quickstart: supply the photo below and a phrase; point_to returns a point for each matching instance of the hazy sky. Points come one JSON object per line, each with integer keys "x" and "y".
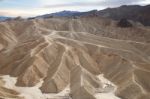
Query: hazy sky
{"x": 27, "y": 8}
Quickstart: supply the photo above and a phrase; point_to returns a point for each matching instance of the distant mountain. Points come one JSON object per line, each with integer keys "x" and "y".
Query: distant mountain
{"x": 89, "y": 13}
{"x": 67, "y": 14}
{"x": 2, "y": 18}
{"x": 60, "y": 14}
{"x": 132, "y": 12}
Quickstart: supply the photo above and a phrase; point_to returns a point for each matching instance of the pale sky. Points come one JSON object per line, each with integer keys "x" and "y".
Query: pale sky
{"x": 27, "y": 8}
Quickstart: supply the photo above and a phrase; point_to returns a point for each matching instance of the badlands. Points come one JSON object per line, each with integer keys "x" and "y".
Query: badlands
{"x": 74, "y": 58}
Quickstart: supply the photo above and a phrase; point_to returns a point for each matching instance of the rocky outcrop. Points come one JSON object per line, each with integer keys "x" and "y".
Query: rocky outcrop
{"x": 124, "y": 23}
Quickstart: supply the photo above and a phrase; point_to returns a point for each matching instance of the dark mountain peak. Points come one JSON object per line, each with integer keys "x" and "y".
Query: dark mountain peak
{"x": 94, "y": 10}
{"x": 131, "y": 12}
{"x": 126, "y": 6}
{"x": 67, "y": 11}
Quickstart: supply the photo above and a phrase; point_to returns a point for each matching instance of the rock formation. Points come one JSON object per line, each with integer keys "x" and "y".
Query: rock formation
{"x": 73, "y": 52}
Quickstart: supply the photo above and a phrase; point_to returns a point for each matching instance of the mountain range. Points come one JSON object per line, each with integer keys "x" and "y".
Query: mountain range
{"x": 135, "y": 13}
{"x": 2, "y": 18}
{"x": 64, "y": 13}
{"x": 131, "y": 12}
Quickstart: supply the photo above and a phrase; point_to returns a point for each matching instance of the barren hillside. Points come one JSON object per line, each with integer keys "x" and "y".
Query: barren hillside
{"x": 66, "y": 58}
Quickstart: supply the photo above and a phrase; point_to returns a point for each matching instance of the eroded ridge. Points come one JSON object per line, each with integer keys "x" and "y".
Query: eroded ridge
{"x": 72, "y": 53}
